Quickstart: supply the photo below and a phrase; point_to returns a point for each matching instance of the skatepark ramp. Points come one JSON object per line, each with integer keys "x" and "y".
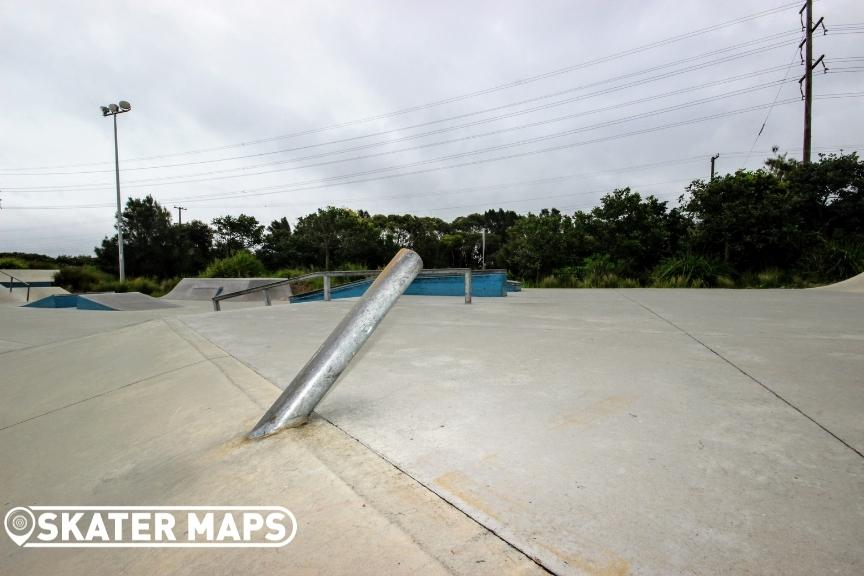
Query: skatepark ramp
{"x": 24, "y": 284}
{"x": 206, "y": 288}
{"x": 125, "y": 301}
{"x": 854, "y": 284}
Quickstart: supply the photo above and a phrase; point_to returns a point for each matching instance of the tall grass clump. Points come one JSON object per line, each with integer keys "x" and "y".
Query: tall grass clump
{"x": 12, "y": 263}
{"x": 241, "y": 264}
{"x": 688, "y": 271}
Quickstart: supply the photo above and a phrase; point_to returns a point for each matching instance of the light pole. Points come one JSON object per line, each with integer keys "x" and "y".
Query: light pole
{"x": 483, "y": 253}
{"x": 114, "y": 110}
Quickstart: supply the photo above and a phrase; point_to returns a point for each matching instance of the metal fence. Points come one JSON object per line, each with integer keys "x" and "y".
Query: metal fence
{"x": 329, "y": 275}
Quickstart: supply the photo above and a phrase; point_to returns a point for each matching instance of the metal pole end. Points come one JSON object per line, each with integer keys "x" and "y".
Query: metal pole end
{"x": 320, "y": 373}
{"x": 267, "y": 426}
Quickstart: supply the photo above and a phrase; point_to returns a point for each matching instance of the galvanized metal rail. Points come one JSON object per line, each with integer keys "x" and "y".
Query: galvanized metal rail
{"x": 328, "y": 275}
{"x": 12, "y": 283}
{"x": 320, "y": 373}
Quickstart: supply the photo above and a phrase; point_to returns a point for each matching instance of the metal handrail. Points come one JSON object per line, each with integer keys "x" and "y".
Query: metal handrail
{"x": 327, "y": 275}
{"x": 12, "y": 284}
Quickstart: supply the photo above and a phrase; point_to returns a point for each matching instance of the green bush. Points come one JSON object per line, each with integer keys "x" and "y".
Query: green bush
{"x": 304, "y": 286}
{"x": 596, "y": 272}
{"x": 241, "y": 264}
{"x": 598, "y": 265}
{"x": 12, "y": 263}
{"x": 141, "y": 284}
{"x": 680, "y": 281}
{"x": 834, "y": 260}
{"x": 312, "y": 284}
{"x": 549, "y": 282}
{"x": 687, "y": 271}
{"x": 168, "y": 284}
{"x": 771, "y": 278}
{"x": 80, "y": 278}
{"x": 608, "y": 280}
{"x": 290, "y": 272}
{"x": 600, "y": 271}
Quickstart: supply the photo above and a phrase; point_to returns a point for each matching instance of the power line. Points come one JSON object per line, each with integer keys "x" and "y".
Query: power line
{"x": 768, "y": 113}
{"x": 333, "y": 181}
{"x": 480, "y": 150}
{"x": 539, "y": 181}
{"x": 207, "y": 176}
{"x": 162, "y": 182}
{"x": 542, "y": 97}
{"x": 281, "y": 188}
{"x": 547, "y": 96}
{"x": 473, "y": 94}
{"x": 492, "y": 187}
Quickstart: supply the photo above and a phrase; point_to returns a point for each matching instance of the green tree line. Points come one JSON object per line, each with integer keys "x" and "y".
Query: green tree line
{"x": 785, "y": 224}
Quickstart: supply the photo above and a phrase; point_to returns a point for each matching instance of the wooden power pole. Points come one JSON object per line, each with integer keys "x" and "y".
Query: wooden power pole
{"x": 180, "y": 210}
{"x": 807, "y": 79}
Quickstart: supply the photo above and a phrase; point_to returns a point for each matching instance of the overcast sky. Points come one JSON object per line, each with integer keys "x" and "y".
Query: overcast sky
{"x": 277, "y": 108}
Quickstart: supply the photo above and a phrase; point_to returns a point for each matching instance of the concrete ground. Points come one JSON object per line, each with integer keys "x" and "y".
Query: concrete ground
{"x": 594, "y": 431}
{"x": 136, "y": 409}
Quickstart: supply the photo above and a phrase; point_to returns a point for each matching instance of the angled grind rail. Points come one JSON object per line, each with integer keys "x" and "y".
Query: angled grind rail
{"x": 320, "y": 373}
{"x": 328, "y": 275}
{"x": 20, "y": 281}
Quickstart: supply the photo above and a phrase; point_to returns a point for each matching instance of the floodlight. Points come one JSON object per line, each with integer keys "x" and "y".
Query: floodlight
{"x": 113, "y": 110}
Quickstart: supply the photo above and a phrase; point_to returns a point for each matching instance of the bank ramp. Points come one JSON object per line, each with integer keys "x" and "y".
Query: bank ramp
{"x": 206, "y": 288}
{"x": 125, "y": 301}
{"x": 854, "y": 284}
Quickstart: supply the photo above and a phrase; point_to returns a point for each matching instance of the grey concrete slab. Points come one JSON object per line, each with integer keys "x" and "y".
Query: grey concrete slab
{"x": 127, "y": 301}
{"x": 806, "y": 345}
{"x": 23, "y": 327}
{"x": 591, "y": 433}
{"x": 175, "y": 437}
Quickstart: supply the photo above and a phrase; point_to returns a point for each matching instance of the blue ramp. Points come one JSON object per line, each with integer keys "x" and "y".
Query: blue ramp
{"x": 483, "y": 284}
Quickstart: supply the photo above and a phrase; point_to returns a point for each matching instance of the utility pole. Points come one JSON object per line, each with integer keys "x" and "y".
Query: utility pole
{"x": 180, "y": 214}
{"x": 807, "y": 79}
{"x": 713, "y": 159}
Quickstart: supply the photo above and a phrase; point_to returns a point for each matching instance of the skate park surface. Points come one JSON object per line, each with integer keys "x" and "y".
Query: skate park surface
{"x": 600, "y": 432}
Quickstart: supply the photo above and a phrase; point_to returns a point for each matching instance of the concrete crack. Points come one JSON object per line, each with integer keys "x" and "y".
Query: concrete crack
{"x": 745, "y": 373}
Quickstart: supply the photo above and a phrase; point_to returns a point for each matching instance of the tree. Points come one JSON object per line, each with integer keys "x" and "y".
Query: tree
{"x": 635, "y": 233}
{"x": 193, "y": 242}
{"x": 147, "y": 241}
{"x": 338, "y": 236}
{"x": 234, "y": 234}
{"x": 828, "y": 199}
{"x": 419, "y": 233}
{"x": 277, "y": 249}
{"x": 748, "y": 220}
{"x": 537, "y": 244}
